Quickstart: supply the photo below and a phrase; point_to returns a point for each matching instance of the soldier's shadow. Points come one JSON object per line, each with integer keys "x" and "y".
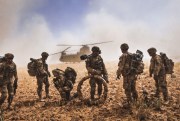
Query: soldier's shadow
{"x": 26, "y": 103}
{"x": 115, "y": 111}
{"x": 59, "y": 103}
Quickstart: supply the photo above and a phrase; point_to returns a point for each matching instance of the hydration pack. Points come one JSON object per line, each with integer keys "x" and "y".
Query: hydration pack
{"x": 168, "y": 63}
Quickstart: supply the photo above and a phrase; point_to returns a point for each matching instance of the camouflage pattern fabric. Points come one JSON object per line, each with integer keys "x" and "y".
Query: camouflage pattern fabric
{"x": 129, "y": 79}
{"x": 96, "y": 66}
{"x": 158, "y": 70}
{"x": 42, "y": 77}
{"x": 8, "y": 72}
{"x": 64, "y": 86}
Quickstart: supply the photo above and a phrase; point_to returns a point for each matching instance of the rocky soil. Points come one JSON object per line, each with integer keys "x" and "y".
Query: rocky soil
{"x": 27, "y": 107}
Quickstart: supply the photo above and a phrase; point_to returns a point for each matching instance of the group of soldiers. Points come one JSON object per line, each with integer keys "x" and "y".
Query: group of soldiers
{"x": 156, "y": 69}
{"x": 64, "y": 80}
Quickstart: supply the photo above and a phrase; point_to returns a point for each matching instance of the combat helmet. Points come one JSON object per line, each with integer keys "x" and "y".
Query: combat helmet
{"x": 9, "y": 56}
{"x": 96, "y": 49}
{"x": 152, "y": 50}
{"x": 44, "y": 54}
{"x": 124, "y": 46}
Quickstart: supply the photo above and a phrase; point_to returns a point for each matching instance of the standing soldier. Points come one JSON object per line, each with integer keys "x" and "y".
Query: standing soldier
{"x": 157, "y": 69}
{"x": 95, "y": 66}
{"x": 9, "y": 78}
{"x": 42, "y": 75}
{"x": 124, "y": 69}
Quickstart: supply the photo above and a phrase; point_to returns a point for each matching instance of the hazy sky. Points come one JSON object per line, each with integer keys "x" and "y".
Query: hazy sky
{"x": 29, "y": 27}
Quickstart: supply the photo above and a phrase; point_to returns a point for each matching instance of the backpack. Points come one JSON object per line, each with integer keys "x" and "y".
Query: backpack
{"x": 70, "y": 74}
{"x": 168, "y": 63}
{"x": 57, "y": 72}
{"x": 137, "y": 65}
{"x": 32, "y": 70}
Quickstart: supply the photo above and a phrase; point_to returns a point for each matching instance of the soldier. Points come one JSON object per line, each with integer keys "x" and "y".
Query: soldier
{"x": 64, "y": 81}
{"x": 42, "y": 75}
{"x": 157, "y": 69}
{"x": 96, "y": 66}
{"x": 9, "y": 77}
{"x": 129, "y": 77}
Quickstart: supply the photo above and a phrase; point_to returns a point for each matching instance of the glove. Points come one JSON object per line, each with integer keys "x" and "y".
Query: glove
{"x": 118, "y": 77}
{"x": 49, "y": 74}
{"x": 106, "y": 78}
{"x": 96, "y": 72}
{"x": 66, "y": 89}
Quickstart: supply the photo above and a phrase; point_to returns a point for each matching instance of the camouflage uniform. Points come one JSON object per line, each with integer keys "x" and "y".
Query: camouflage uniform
{"x": 64, "y": 82}
{"x": 8, "y": 73}
{"x": 42, "y": 77}
{"x": 95, "y": 65}
{"x": 158, "y": 70}
{"x": 129, "y": 78}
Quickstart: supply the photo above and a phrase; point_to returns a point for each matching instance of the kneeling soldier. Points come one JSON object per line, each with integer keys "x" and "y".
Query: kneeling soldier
{"x": 64, "y": 81}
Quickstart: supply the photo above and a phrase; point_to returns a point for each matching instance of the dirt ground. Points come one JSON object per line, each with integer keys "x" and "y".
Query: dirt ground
{"x": 26, "y": 106}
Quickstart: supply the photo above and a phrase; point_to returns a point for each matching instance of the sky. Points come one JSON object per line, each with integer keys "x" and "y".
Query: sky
{"x": 29, "y": 27}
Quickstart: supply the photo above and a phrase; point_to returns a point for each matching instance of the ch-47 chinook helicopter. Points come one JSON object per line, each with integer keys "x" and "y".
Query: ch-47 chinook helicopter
{"x": 85, "y": 49}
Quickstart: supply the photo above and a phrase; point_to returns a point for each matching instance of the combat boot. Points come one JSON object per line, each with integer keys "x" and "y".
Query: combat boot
{"x": 48, "y": 96}
{"x": 135, "y": 96}
{"x": 40, "y": 98}
{"x": 157, "y": 94}
{"x": 166, "y": 99}
{"x": 10, "y": 99}
{"x": 92, "y": 97}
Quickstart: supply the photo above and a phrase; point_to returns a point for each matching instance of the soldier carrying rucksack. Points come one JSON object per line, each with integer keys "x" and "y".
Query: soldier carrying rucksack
{"x": 39, "y": 68}
{"x": 157, "y": 70}
{"x": 130, "y": 66}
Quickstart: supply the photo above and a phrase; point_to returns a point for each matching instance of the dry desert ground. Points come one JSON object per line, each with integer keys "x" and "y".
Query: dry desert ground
{"x": 27, "y": 107}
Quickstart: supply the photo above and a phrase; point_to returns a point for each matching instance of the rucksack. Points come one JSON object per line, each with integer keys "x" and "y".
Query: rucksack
{"x": 168, "y": 63}
{"x": 32, "y": 70}
{"x": 57, "y": 72}
{"x": 70, "y": 74}
{"x": 137, "y": 65}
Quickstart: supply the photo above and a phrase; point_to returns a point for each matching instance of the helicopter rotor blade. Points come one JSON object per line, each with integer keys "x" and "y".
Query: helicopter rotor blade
{"x": 56, "y": 53}
{"x": 66, "y": 49}
{"x": 99, "y": 43}
{"x": 61, "y": 51}
{"x": 67, "y": 45}
{"x": 85, "y": 44}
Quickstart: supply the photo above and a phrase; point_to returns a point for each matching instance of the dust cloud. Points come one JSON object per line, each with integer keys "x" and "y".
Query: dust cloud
{"x": 27, "y": 38}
